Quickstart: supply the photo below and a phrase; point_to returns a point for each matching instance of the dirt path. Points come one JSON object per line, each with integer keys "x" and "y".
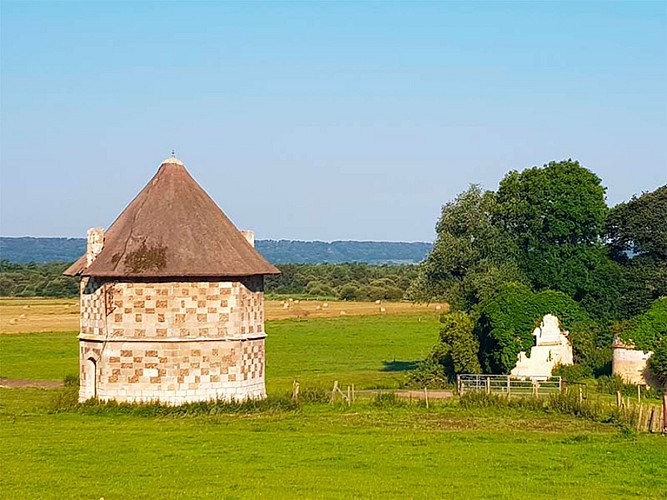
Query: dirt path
{"x": 15, "y": 383}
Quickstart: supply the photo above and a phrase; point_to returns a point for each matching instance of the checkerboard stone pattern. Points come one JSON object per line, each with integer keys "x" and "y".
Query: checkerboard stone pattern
{"x": 171, "y": 341}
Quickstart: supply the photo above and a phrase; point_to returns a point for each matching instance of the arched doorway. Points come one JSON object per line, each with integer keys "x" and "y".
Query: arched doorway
{"x": 90, "y": 372}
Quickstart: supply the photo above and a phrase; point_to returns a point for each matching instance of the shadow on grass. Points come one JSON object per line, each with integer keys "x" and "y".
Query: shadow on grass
{"x": 399, "y": 366}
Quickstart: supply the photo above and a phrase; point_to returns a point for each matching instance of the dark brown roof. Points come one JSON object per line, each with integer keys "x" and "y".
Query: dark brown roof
{"x": 173, "y": 229}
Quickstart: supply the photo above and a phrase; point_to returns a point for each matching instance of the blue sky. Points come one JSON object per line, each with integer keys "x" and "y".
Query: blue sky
{"x": 321, "y": 120}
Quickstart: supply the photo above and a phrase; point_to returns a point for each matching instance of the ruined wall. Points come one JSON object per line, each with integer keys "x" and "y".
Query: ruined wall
{"x": 630, "y": 364}
{"x": 172, "y": 341}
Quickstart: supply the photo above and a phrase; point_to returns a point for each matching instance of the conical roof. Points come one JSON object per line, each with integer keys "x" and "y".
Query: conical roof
{"x": 173, "y": 229}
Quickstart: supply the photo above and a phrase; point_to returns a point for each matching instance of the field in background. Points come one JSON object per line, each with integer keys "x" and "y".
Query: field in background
{"x": 368, "y": 351}
{"x": 24, "y": 315}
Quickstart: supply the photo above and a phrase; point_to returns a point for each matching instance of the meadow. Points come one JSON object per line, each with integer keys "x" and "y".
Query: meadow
{"x": 315, "y": 450}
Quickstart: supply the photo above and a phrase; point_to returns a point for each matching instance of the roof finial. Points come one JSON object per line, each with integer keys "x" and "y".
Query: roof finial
{"x": 172, "y": 159}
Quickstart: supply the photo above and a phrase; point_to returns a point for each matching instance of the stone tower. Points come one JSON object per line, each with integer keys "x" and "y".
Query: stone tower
{"x": 172, "y": 301}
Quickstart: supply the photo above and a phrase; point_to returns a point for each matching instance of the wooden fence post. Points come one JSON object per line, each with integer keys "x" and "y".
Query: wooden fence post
{"x": 664, "y": 413}
{"x": 333, "y": 392}
{"x": 488, "y": 385}
{"x": 618, "y": 399}
{"x": 426, "y": 395}
{"x": 295, "y": 391}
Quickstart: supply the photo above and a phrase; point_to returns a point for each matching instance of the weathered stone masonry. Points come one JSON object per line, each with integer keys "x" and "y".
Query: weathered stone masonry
{"x": 172, "y": 341}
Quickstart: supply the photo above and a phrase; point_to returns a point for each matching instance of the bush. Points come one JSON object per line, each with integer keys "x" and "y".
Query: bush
{"x": 648, "y": 332}
{"x": 458, "y": 348}
{"x": 428, "y": 373}
{"x": 658, "y": 362}
{"x": 573, "y": 373}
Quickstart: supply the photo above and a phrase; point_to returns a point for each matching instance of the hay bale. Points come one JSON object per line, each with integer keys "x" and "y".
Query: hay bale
{"x": 378, "y": 302}
{"x": 26, "y": 307}
{"x": 318, "y": 308}
{"x": 383, "y": 310}
{"x": 13, "y": 321}
{"x": 438, "y": 307}
{"x": 343, "y": 313}
{"x": 23, "y": 316}
{"x": 325, "y": 305}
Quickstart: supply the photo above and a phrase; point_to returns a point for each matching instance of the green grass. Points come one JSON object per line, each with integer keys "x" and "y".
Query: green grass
{"x": 369, "y": 351}
{"x": 322, "y": 452}
{"x": 39, "y": 356}
{"x": 316, "y": 451}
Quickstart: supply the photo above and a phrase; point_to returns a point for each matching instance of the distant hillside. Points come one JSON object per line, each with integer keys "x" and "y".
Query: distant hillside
{"x": 21, "y": 250}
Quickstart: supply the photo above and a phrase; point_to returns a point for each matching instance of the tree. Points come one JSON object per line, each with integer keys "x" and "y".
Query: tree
{"x": 561, "y": 203}
{"x": 471, "y": 256}
{"x": 637, "y": 233}
{"x": 556, "y": 215}
{"x": 458, "y": 348}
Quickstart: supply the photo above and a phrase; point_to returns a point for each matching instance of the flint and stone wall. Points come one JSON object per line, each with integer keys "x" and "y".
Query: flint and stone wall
{"x": 175, "y": 342}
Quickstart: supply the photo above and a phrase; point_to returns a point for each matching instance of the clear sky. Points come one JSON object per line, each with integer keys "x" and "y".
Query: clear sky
{"x": 321, "y": 120}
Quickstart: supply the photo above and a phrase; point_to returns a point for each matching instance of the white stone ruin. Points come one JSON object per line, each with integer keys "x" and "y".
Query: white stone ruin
{"x": 552, "y": 347}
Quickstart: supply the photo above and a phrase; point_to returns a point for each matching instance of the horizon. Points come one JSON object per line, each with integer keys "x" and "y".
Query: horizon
{"x": 258, "y": 239}
{"x": 321, "y": 121}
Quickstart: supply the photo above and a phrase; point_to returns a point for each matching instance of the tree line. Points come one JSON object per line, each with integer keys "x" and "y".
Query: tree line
{"x": 545, "y": 242}
{"x": 343, "y": 281}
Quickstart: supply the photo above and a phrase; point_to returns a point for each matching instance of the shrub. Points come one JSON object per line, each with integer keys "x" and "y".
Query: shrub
{"x": 658, "y": 361}
{"x": 648, "y": 332}
{"x": 458, "y": 348}
{"x": 428, "y": 372}
{"x": 573, "y": 373}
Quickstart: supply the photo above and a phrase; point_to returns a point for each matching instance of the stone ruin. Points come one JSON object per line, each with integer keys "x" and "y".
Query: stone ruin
{"x": 630, "y": 364}
{"x": 552, "y": 347}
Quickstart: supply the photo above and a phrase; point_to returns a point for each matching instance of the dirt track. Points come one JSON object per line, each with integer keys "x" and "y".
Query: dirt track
{"x": 15, "y": 383}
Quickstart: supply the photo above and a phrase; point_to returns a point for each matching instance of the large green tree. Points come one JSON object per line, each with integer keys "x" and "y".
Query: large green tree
{"x": 637, "y": 233}
{"x": 557, "y": 216}
{"x": 471, "y": 256}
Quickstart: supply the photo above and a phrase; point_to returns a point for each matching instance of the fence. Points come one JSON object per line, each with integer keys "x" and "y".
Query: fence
{"x": 508, "y": 385}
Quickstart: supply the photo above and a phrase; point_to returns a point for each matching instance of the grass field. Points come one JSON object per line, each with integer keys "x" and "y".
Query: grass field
{"x": 369, "y": 351}
{"x": 316, "y": 451}
{"x": 29, "y": 315}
